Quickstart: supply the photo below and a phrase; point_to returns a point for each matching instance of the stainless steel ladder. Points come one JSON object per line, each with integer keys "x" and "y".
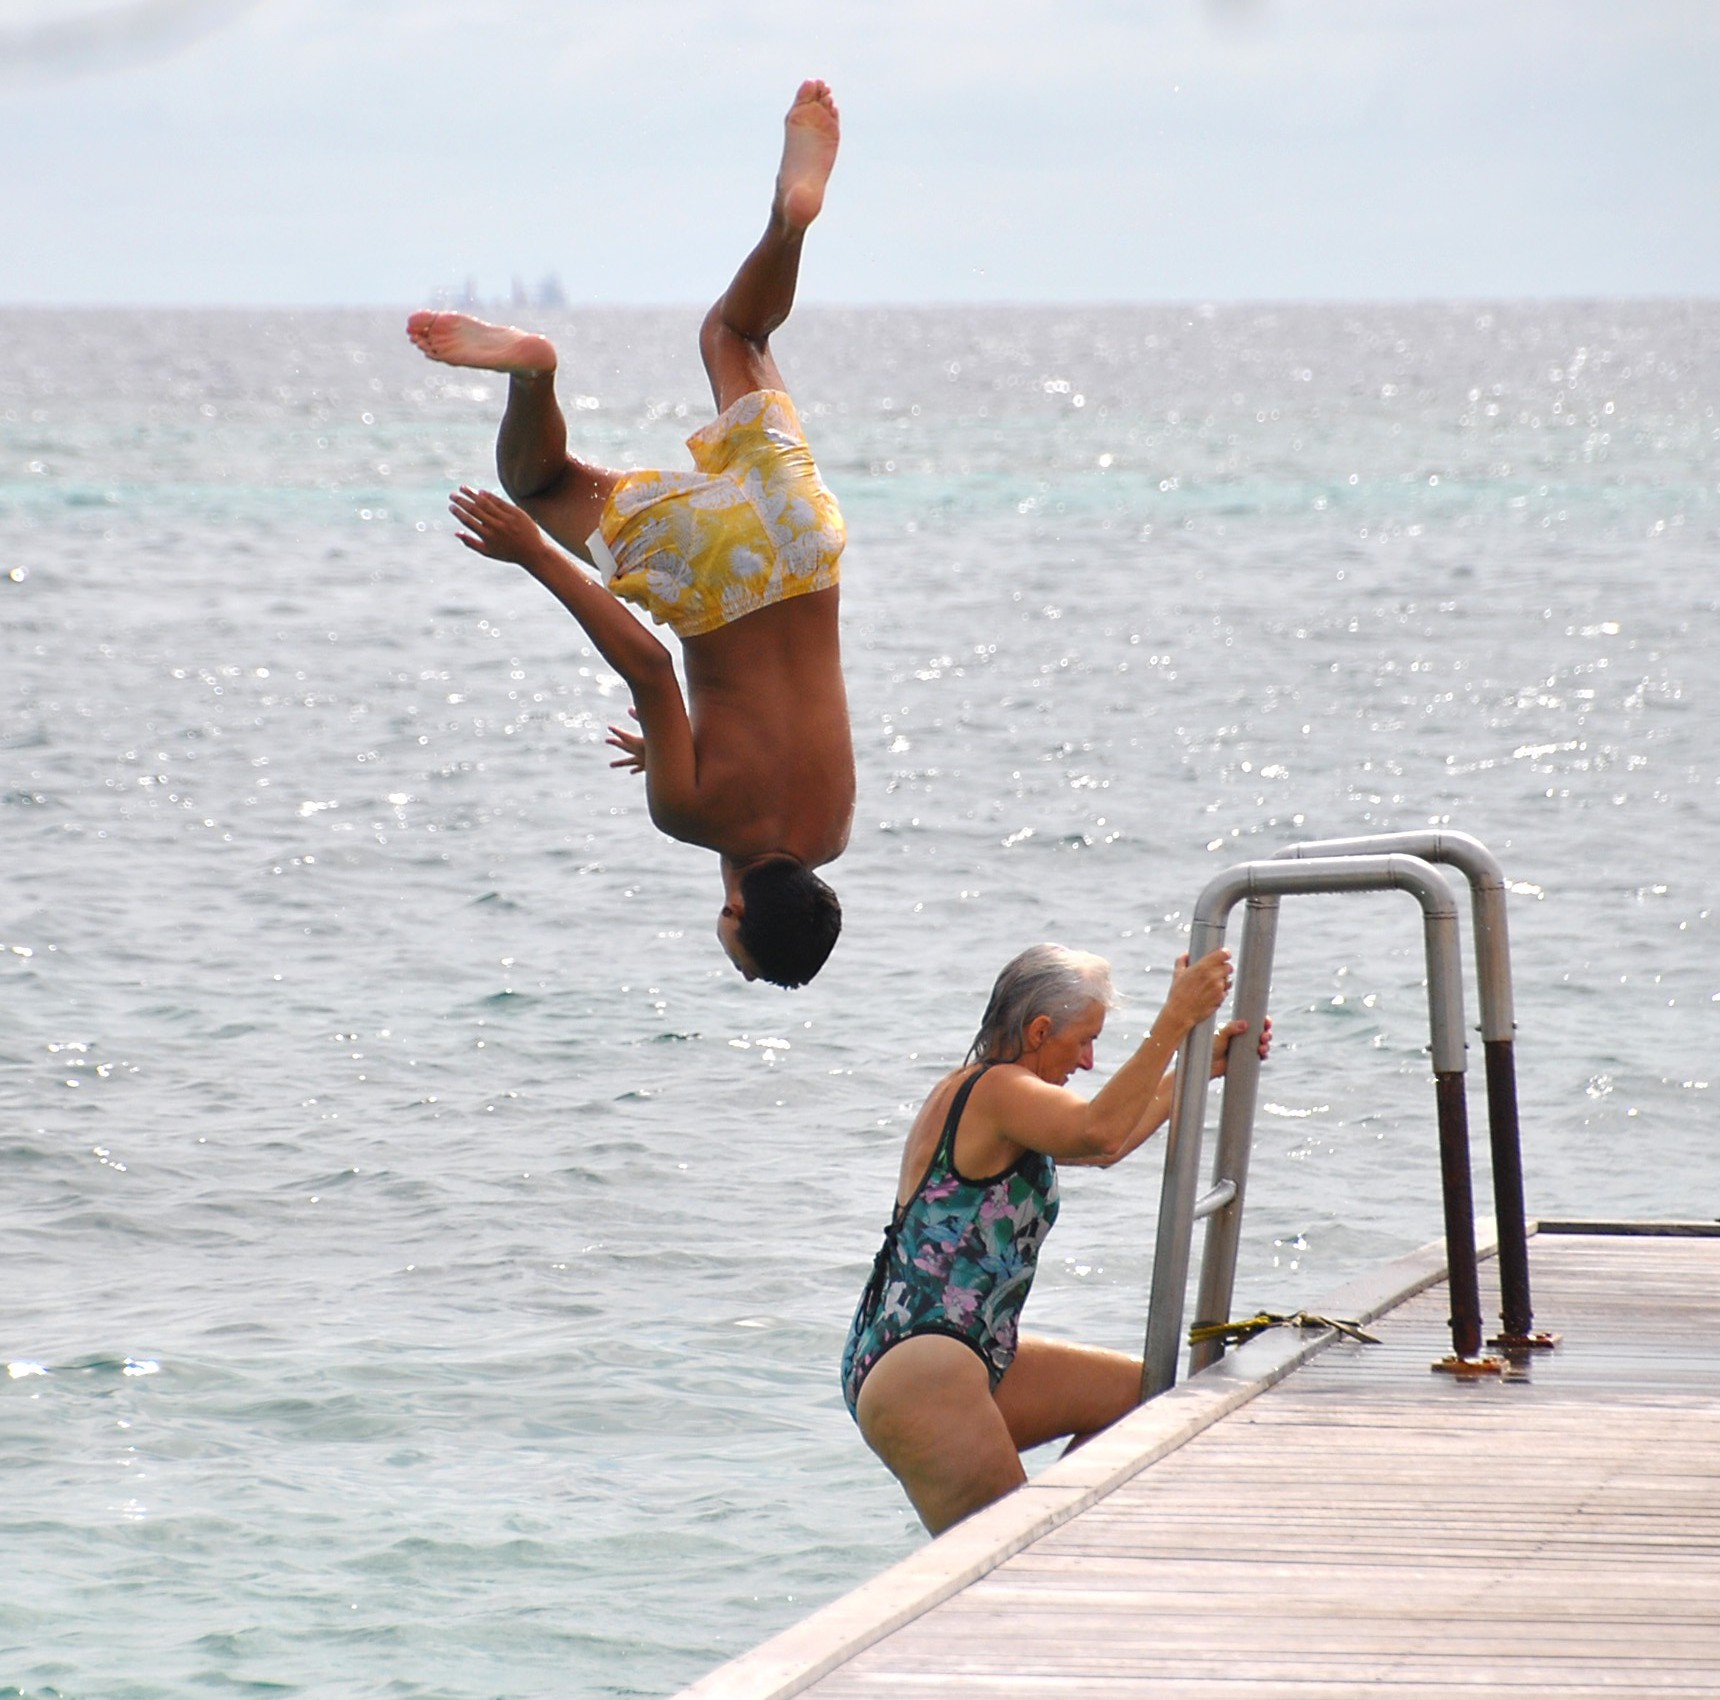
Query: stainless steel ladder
{"x": 1392, "y": 861}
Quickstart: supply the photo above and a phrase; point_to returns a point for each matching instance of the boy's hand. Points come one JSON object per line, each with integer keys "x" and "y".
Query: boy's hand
{"x": 630, "y": 744}
{"x": 494, "y": 527}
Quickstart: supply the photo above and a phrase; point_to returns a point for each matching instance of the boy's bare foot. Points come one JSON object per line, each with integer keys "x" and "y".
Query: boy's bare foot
{"x": 811, "y": 132}
{"x": 457, "y": 339}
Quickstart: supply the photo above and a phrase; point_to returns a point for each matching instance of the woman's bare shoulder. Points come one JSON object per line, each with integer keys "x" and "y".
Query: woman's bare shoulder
{"x": 1018, "y": 1108}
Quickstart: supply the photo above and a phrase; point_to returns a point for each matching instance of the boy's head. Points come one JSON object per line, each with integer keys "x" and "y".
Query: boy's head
{"x": 780, "y": 922}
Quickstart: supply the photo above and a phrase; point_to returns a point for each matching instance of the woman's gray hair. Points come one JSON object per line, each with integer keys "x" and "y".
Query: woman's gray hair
{"x": 1045, "y": 979}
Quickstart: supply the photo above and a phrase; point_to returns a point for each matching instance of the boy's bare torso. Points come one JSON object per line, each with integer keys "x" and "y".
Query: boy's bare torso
{"x": 774, "y": 753}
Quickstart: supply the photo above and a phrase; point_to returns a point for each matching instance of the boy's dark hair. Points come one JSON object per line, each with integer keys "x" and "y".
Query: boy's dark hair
{"x": 789, "y": 920}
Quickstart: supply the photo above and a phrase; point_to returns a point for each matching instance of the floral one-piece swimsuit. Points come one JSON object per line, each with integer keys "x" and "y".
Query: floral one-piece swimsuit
{"x": 958, "y": 1258}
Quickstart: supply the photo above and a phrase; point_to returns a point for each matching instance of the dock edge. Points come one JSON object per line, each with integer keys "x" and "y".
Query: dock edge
{"x": 798, "y": 1656}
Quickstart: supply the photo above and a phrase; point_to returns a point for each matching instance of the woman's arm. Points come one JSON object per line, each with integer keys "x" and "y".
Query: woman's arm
{"x": 1041, "y": 1117}
{"x": 1159, "y": 1111}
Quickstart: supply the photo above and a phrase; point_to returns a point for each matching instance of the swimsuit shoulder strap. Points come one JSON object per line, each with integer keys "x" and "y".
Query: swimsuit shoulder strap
{"x": 952, "y": 1121}
{"x": 945, "y": 1149}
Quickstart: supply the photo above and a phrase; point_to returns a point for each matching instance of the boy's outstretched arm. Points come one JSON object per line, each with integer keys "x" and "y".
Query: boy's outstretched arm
{"x": 503, "y": 532}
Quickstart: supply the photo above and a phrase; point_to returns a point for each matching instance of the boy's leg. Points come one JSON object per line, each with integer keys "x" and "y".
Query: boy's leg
{"x": 564, "y": 495}
{"x": 735, "y": 337}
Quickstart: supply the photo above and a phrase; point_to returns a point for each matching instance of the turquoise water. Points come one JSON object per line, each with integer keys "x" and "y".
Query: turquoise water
{"x": 426, "y": 1261}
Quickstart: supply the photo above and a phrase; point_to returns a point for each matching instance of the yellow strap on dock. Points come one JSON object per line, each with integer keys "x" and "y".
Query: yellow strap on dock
{"x": 1234, "y": 1333}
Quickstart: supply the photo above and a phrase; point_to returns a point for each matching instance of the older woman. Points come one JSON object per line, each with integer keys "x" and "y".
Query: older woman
{"x": 934, "y": 1373}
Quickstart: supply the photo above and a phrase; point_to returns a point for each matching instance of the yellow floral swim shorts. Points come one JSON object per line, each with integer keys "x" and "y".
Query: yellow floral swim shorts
{"x": 752, "y": 526}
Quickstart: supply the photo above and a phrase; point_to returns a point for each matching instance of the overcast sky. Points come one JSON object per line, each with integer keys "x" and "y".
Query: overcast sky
{"x": 368, "y": 151}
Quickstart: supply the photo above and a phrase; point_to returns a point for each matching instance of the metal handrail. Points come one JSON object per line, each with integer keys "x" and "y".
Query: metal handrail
{"x": 1262, "y": 883}
{"x": 1486, "y": 878}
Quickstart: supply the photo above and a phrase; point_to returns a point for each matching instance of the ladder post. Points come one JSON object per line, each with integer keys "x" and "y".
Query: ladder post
{"x": 1236, "y": 1123}
{"x": 1516, "y": 1314}
{"x": 1182, "y": 1177}
{"x": 1445, "y": 1021}
{"x": 1498, "y": 1028}
{"x": 1455, "y": 1189}
{"x": 1504, "y": 1137}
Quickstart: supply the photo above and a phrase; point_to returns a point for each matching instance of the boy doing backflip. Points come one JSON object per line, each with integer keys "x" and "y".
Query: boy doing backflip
{"x": 739, "y": 557}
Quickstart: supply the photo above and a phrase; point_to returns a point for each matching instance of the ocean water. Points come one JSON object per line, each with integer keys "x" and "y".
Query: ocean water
{"x": 425, "y": 1261}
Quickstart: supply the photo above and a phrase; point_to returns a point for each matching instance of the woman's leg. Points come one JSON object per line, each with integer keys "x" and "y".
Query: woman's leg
{"x": 926, "y": 1409}
{"x": 1053, "y": 1389}
{"x": 735, "y": 337}
{"x": 564, "y": 495}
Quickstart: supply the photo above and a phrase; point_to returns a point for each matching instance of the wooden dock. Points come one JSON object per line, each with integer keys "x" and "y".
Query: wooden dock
{"x": 1364, "y": 1526}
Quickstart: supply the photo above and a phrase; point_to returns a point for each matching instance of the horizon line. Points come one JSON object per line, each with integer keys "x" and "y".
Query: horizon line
{"x": 1185, "y": 303}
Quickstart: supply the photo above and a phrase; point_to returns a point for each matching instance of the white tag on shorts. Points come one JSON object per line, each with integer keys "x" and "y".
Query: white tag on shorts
{"x": 601, "y": 557}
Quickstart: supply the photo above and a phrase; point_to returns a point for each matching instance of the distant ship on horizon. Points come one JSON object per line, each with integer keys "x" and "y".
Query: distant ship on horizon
{"x": 547, "y": 293}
